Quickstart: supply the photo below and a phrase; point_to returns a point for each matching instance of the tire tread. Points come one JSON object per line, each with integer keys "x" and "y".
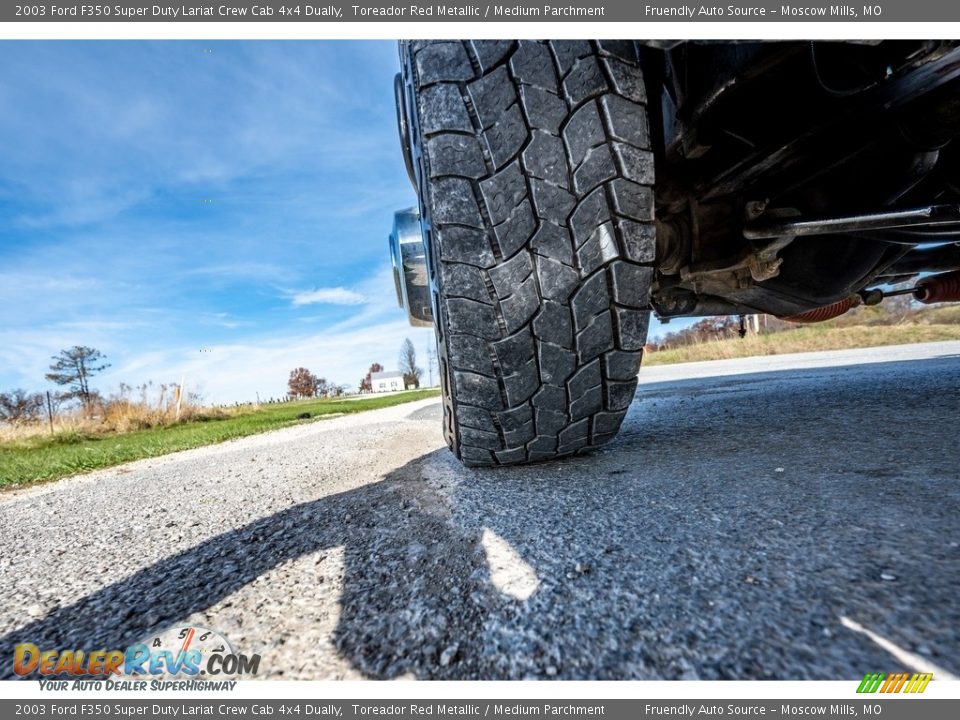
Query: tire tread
{"x": 539, "y": 205}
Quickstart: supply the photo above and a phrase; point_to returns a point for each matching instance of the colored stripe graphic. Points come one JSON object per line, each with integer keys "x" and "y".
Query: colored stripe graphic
{"x": 918, "y": 683}
{"x": 900, "y": 682}
{"x": 870, "y": 683}
{"x": 890, "y": 682}
{"x": 895, "y": 682}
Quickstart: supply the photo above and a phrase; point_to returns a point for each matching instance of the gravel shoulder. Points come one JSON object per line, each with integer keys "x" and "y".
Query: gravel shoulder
{"x": 741, "y": 526}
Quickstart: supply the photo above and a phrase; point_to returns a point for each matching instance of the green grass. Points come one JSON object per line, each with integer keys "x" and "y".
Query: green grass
{"x": 40, "y": 458}
{"x": 807, "y": 338}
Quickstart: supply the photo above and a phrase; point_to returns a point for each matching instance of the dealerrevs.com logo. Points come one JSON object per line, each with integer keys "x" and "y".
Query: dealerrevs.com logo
{"x": 180, "y": 658}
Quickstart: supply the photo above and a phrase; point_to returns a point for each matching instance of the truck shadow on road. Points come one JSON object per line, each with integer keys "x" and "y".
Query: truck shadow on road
{"x": 727, "y": 554}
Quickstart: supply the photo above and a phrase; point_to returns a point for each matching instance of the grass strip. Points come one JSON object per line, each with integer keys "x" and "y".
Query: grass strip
{"x": 42, "y": 458}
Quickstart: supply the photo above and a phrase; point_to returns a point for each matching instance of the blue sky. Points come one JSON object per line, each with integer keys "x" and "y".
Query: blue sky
{"x": 210, "y": 210}
{"x": 163, "y": 199}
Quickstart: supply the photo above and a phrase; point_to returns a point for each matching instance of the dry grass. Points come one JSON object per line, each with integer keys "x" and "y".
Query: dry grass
{"x": 130, "y": 410}
{"x": 938, "y": 315}
{"x": 813, "y": 338}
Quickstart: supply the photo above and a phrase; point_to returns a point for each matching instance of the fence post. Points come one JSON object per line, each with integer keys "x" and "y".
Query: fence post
{"x": 50, "y": 412}
{"x": 180, "y": 395}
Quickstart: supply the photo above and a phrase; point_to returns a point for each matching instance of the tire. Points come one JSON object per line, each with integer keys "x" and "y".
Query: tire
{"x": 535, "y": 179}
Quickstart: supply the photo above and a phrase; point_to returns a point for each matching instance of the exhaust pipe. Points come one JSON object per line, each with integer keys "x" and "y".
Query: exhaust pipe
{"x": 827, "y": 312}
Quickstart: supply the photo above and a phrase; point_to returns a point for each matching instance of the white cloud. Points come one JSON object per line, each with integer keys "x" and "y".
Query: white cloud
{"x": 328, "y": 296}
{"x": 246, "y": 270}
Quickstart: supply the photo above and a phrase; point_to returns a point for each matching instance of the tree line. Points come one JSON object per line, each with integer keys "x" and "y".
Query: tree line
{"x": 302, "y": 383}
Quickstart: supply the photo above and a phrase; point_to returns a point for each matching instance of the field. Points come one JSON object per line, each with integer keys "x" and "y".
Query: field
{"x": 37, "y": 457}
{"x": 807, "y": 338}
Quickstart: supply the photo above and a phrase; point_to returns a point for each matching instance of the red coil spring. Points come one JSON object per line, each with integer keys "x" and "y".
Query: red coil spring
{"x": 939, "y": 288}
{"x": 827, "y": 312}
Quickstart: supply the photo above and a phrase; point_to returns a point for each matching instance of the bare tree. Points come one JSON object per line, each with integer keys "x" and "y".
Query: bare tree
{"x": 408, "y": 364}
{"x": 366, "y": 385}
{"x": 73, "y": 368}
{"x": 19, "y": 406}
{"x": 322, "y": 388}
{"x": 302, "y": 383}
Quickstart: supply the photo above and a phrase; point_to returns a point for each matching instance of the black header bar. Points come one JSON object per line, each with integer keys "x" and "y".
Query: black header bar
{"x": 580, "y": 11}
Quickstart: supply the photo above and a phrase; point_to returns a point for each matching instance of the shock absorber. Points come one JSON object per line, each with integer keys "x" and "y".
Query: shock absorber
{"x": 939, "y": 288}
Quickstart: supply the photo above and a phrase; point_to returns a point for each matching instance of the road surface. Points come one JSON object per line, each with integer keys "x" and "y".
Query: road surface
{"x": 799, "y": 519}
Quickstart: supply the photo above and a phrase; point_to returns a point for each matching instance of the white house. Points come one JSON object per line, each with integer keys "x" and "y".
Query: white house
{"x": 387, "y": 382}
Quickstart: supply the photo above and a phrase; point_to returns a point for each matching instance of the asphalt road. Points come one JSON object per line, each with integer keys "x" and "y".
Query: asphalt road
{"x": 798, "y": 519}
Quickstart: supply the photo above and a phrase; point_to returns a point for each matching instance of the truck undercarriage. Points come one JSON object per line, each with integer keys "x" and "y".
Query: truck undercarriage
{"x": 793, "y": 176}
